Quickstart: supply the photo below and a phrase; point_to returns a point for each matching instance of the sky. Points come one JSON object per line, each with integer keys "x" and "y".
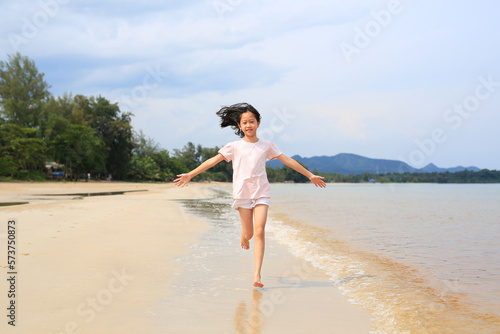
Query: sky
{"x": 408, "y": 80}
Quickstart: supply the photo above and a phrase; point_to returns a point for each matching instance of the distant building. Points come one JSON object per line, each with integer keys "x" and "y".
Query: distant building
{"x": 55, "y": 170}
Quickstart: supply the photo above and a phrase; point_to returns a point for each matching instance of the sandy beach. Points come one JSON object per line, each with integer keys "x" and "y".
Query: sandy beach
{"x": 110, "y": 264}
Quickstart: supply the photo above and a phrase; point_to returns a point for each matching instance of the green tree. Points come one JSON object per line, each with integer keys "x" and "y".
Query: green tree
{"x": 366, "y": 176}
{"x": 190, "y": 155}
{"x": 22, "y": 91}
{"x": 57, "y": 116}
{"x": 120, "y": 144}
{"x": 112, "y": 127}
{"x": 80, "y": 150}
{"x": 292, "y": 175}
{"x": 168, "y": 166}
{"x": 20, "y": 148}
{"x": 144, "y": 168}
{"x": 145, "y": 146}
{"x": 221, "y": 172}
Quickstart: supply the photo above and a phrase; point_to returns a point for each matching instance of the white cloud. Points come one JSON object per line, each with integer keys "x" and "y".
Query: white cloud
{"x": 280, "y": 54}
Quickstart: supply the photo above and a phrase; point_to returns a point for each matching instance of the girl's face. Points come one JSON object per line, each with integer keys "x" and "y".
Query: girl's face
{"x": 248, "y": 124}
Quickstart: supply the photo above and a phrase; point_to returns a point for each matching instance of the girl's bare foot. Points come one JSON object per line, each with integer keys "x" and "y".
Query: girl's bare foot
{"x": 256, "y": 281}
{"x": 245, "y": 243}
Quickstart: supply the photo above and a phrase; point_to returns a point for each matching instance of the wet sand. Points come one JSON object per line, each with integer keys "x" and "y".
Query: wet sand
{"x": 107, "y": 264}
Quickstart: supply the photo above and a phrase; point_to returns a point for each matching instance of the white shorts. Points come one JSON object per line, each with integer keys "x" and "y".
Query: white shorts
{"x": 250, "y": 203}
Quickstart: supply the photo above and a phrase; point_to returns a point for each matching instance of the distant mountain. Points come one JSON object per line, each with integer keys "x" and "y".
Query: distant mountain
{"x": 346, "y": 163}
{"x": 431, "y": 168}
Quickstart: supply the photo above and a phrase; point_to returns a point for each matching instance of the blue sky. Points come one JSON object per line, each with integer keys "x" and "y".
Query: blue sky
{"x": 417, "y": 81}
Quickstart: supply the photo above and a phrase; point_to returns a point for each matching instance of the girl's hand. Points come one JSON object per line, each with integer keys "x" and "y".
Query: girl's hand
{"x": 318, "y": 181}
{"x": 182, "y": 180}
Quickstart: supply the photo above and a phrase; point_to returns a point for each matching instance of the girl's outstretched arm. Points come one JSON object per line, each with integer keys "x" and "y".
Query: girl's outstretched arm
{"x": 183, "y": 179}
{"x": 292, "y": 163}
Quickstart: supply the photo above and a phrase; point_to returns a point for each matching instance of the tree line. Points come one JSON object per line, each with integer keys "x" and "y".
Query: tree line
{"x": 90, "y": 136}
{"x": 82, "y": 135}
{"x": 466, "y": 176}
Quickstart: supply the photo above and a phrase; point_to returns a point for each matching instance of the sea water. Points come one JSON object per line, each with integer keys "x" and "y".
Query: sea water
{"x": 422, "y": 258}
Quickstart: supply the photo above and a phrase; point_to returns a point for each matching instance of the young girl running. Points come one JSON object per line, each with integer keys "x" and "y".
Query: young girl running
{"x": 251, "y": 191}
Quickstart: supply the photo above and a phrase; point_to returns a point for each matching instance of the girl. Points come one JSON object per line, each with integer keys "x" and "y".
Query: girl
{"x": 251, "y": 192}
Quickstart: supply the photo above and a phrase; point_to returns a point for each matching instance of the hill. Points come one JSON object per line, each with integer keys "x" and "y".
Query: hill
{"x": 346, "y": 163}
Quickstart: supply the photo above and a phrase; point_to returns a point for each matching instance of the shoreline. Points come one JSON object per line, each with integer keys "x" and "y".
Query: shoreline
{"x": 117, "y": 264}
{"x": 215, "y": 286}
{"x": 94, "y": 265}
{"x": 377, "y": 246}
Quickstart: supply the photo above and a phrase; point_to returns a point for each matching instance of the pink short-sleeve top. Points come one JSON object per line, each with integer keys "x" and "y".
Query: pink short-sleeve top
{"x": 249, "y": 167}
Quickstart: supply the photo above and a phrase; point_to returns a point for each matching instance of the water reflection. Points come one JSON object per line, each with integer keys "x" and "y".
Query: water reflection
{"x": 217, "y": 210}
{"x": 106, "y": 193}
{"x": 12, "y": 203}
{"x": 249, "y": 322}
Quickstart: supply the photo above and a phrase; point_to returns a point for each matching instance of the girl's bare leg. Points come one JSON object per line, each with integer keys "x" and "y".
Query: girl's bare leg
{"x": 260, "y": 218}
{"x": 246, "y": 217}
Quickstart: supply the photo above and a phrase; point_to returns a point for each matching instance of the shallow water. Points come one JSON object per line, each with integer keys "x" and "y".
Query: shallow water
{"x": 12, "y": 203}
{"x": 88, "y": 194}
{"x": 421, "y": 258}
{"x": 75, "y": 196}
{"x": 212, "y": 269}
{"x": 213, "y": 291}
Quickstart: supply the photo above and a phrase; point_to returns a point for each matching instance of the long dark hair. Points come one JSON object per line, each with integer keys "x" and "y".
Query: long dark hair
{"x": 231, "y": 115}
